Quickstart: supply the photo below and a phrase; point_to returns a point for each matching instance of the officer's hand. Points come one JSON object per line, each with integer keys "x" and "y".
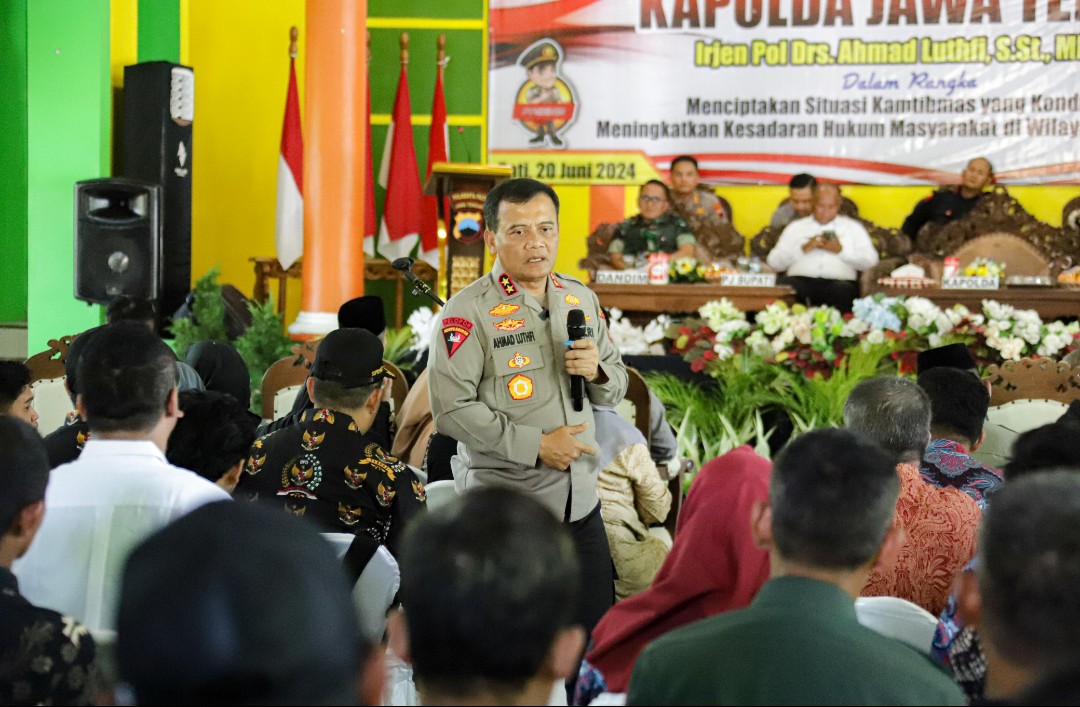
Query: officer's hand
{"x": 583, "y": 359}
{"x": 560, "y": 447}
{"x": 813, "y": 244}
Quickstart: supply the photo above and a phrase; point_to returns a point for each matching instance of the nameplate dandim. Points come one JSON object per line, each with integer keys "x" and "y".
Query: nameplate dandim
{"x": 746, "y": 279}
{"x": 622, "y": 277}
{"x": 960, "y": 282}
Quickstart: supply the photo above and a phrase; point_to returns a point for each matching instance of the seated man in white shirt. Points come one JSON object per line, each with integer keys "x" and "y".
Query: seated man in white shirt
{"x": 823, "y": 253}
{"x": 121, "y": 488}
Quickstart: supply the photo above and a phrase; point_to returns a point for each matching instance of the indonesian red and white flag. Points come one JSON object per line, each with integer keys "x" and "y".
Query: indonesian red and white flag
{"x": 400, "y": 177}
{"x": 371, "y": 223}
{"x": 438, "y": 151}
{"x": 289, "y": 214}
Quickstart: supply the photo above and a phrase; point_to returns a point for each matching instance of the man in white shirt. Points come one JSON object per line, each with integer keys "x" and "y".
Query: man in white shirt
{"x": 823, "y": 253}
{"x": 121, "y": 489}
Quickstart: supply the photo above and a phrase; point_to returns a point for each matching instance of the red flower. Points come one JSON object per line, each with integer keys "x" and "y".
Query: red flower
{"x": 698, "y": 365}
{"x": 685, "y": 330}
{"x": 709, "y": 355}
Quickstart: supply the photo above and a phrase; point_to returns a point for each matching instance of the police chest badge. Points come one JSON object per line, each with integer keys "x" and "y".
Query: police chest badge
{"x": 572, "y": 300}
{"x": 455, "y": 330}
{"x": 520, "y": 387}
{"x": 519, "y": 361}
{"x": 504, "y": 309}
{"x": 510, "y": 324}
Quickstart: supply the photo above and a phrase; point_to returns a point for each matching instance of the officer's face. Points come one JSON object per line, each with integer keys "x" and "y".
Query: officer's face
{"x": 527, "y": 239}
{"x": 802, "y": 201}
{"x": 543, "y": 75}
{"x": 684, "y": 177}
{"x": 652, "y": 202}
{"x": 977, "y": 174}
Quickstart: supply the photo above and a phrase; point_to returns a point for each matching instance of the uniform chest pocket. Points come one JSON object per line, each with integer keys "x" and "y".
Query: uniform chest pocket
{"x": 518, "y": 371}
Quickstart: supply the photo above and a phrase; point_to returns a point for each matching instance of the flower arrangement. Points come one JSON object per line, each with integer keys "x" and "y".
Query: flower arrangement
{"x": 686, "y": 270}
{"x": 634, "y": 340}
{"x": 985, "y": 267}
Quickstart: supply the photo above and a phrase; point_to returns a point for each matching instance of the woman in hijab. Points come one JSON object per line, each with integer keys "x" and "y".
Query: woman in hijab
{"x": 221, "y": 369}
{"x": 714, "y": 566}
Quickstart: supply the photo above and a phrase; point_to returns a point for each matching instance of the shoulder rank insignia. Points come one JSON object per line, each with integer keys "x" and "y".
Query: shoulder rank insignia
{"x": 555, "y": 281}
{"x": 519, "y": 361}
{"x": 455, "y": 330}
{"x": 504, "y": 310}
{"x": 349, "y": 515}
{"x": 510, "y": 324}
{"x": 520, "y": 387}
{"x": 507, "y": 284}
{"x": 572, "y": 300}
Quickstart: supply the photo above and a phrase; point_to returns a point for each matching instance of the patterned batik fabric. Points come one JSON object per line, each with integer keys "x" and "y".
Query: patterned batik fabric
{"x": 947, "y": 464}
{"x": 45, "y": 658}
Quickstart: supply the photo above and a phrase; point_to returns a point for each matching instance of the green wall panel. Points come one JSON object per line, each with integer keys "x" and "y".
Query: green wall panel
{"x": 68, "y": 123}
{"x": 450, "y": 9}
{"x": 159, "y": 30}
{"x": 462, "y": 89}
{"x": 13, "y": 263}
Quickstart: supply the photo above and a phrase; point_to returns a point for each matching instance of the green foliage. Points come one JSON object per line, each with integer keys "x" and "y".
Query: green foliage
{"x": 398, "y": 343}
{"x": 263, "y": 343}
{"x": 207, "y": 320}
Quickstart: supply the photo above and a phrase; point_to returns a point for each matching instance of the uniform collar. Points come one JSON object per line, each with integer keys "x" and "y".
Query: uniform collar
{"x": 96, "y": 447}
{"x": 822, "y": 598}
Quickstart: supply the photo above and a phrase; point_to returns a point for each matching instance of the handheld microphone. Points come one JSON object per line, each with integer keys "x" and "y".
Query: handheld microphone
{"x": 419, "y": 286}
{"x": 575, "y": 329}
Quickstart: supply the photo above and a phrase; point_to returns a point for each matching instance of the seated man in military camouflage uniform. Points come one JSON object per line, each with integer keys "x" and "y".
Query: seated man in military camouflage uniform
{"x": 326, "y": 467}
{"x": 655, "y": 230}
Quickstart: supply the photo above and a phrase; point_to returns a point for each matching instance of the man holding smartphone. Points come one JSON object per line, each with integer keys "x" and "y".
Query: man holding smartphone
{"x": 822, "y": 254}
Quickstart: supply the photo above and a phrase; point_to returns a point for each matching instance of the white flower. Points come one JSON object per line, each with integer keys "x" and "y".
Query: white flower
{"x": 422, "y": 322}
{"x": 759, "y": 344}
{"x": 934, "y": 340}
{"x": 723, "y": 351}
{"x": 787, "y": 336}
{"x": 802, "y": 327}
{"x": 773, "y": 318}
{"x": 854, "y": 327}
{"x": 877, "y": 336}
{"x": 654, "y": 330}
{"x": 717, "y": 312}
{"x": 995, "y": 310}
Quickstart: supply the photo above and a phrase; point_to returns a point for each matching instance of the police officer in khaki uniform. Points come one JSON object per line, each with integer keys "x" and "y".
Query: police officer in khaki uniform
{"x": 500, "y": 378}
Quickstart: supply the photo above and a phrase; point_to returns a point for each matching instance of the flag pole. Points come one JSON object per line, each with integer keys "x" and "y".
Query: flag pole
{"x": 440, "y": 61}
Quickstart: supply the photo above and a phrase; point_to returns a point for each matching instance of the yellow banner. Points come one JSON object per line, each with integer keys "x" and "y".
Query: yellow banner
{"x": 579, "y": 166}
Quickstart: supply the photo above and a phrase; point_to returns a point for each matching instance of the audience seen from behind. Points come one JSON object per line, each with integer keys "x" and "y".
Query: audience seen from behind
{"x": 16, "y": 395}
{"x": 235, "y": 604}
{"x": 822, "y": 255}
{"x": 940, "y": 523}
{"x": 45, "y": 658}
{"x": 826, "y": 525}
{"x": 327, "y": 468}
{"x": 633, "y": 496}
{"x": 212, "y": 438}
{"x": 221, "y": 369}
{"x": 714, "y": 566}
{"x": 1024, "y": 597}
{"x": 66, "y": 443}
{"x": 121, "y": 488}
{"x": 490, "y": 586}
{"x": 132, "y": 309}
{"x": 958, "y": 404}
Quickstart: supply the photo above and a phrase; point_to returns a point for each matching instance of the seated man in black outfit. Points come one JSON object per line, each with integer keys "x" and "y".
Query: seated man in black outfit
{"x": 950, "y": 203}
{"x": 327, "y": 467}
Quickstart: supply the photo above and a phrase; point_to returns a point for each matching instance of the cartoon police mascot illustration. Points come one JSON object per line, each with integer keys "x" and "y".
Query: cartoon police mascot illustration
{"x": 545, "y": 102}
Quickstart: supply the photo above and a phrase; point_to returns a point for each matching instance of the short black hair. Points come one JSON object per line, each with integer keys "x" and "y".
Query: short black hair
{"x": 126, "y": 308}
{"x": 958, "y": 401}
{"x": 516, "y": 191}
{"x": 14, "y": 377}
{"x": 1048, "y": 447}
{"x": 487, "y": 582}
{"x": 24, "y": 468}
{"x": 685, "y": 158}
{"x": 213, "y": 435}
{"x": 125, "y": 377}
{"x": 333, "y": 395}
{"x": 894, "y": 413}
{"x": 74, "y": 356}
{"x": 656, "y": 183}
{"x": 833, "y": 496}
{"x": 1029, "y": 569}
{"x": 802, "y": 181}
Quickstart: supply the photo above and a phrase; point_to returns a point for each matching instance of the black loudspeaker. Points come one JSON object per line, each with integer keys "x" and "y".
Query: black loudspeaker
{"x": 159, "y": 100}
{"x": 117, "y": 238}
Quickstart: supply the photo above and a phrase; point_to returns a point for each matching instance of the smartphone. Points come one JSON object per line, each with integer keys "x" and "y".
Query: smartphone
{"x": 829, "y": 235}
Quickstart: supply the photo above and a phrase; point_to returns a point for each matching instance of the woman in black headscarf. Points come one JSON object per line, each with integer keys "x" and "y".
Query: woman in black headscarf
{"x": 222, "y": 369}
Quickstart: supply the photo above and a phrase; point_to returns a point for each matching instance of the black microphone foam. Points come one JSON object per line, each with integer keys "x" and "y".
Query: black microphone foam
{"x": 404, "y": 264}
{"x": 575, "y": 329}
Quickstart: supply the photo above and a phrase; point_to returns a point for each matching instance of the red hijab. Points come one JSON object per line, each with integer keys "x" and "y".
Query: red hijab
{"x": 713, "y": 567}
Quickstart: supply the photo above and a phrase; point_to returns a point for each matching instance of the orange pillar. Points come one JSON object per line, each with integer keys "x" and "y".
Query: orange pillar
{"x": 335, "y": 161}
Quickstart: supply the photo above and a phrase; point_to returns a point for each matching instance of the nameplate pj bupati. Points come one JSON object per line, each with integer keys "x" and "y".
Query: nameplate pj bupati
{"x": 748, "y": 279}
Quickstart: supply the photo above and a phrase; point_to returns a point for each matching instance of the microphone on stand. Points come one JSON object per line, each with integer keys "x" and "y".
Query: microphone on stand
{"x": 575, "y": 329}
{"x": 404, "y": 265}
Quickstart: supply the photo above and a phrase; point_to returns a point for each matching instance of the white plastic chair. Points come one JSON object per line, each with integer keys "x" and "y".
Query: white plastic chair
{"x": 898, "y": 618}
{"x": 283, "y": 400}
{"x": 440, "y": 493}
{"x": 52, "y": 403}
{"x": 376, "y": 588}
{"x": 1004, "y": 423}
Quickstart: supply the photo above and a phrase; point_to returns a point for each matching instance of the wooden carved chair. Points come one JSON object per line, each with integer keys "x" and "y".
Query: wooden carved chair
{"x": 1070, "y": 215}
{"x": 47, "y": 378}
{"x": 284, "y": 378}
{"x": 1033, "y": 379}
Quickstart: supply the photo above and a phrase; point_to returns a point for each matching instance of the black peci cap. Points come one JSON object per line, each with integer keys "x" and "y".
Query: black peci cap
{"x": 352, "y": 358}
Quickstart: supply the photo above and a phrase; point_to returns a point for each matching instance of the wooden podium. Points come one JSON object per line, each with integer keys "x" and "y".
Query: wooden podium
{"x": 461, "y": 189}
